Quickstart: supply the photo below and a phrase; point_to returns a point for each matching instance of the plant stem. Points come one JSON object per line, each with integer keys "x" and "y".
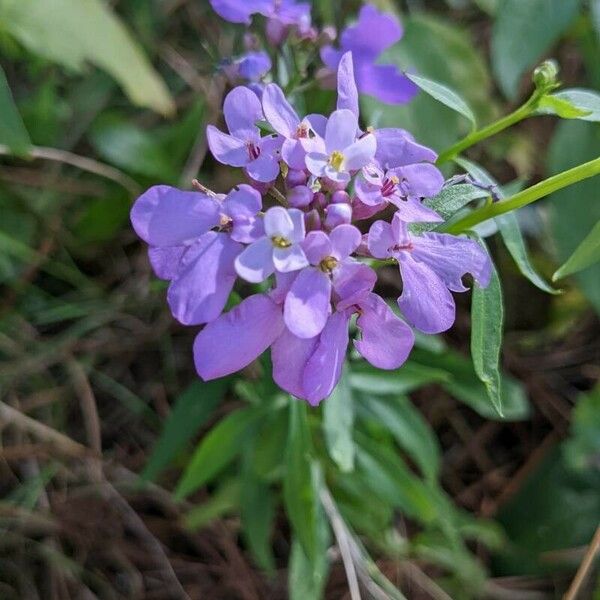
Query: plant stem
{"x": 492, "y": 129}
{"x": 527, "y": 196}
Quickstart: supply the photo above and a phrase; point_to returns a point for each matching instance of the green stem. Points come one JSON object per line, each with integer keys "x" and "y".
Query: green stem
{"x": 492, "y": 129}
{"x": 531, "y": 194}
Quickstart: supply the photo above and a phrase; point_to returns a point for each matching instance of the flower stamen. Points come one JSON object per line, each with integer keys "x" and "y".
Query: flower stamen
{"x": 328, "y": 264}
{"x": 280, "y": 242}
{"x": 336, "y": 160}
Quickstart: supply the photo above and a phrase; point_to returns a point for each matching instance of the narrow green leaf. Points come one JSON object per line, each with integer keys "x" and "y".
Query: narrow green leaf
{"x": 561, "y": 107}
{"x": 73, "y": 32}
{"x": 445, "y": 95}
{"x": 585, "y": 255}
{"x": 258, "y": 513}
{"x": 225, "y": 500}
{"x": 338, "y": 421}
{"x": 306, "y": 578}
{"x": 523, "y": 31}
{"x": 510, "y": 231}
{"x": 410, "y": 430}
{"x": 487, "y": 320}
{"x": 299, "y": 494}
{"x": 586, "y": 102}
{"x": 216, "y": 450}
{"x": 12, "y": 129}
{"x": 454, "y": 197}
{"x": 189, "y": 413}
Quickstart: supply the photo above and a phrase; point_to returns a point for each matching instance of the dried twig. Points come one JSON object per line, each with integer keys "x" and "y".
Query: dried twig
{"x": 584, "y": 567}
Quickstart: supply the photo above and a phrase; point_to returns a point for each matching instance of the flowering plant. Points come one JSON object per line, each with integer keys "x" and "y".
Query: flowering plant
{"x": 296, "y": 259}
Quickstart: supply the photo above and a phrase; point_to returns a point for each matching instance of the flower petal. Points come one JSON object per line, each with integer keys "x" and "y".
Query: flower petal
{"x": 227, "y": 149}
{"x": 386, "y": 340}
{"x": 278, "y": 222}
{"x": 386, "y": 83}
{"x": 360, "y": 153}
{"x": 299, "y": 227}
{"x": 413, "y": 211}
{"x": 318, "y": 123}
{"x": 324, "y": 368}
{"x": 278, "y": 111}
{"x": 234, "y": 11}
{"x": 451, "y": 257}
{"x": 425, "y": 300}
{"x": 289, "y": 355}
{"x": 242, "y": 110}
{"x": 381, "y": 240}
{"x": 265, "y": 168}
{"x": 235, "y": 339}
{"x": 255, "y": 263}
{"x": 316, "y": 162}
{"x": 307, "y": 304}
{"x": 289, "y": 259}
{"x": 424, "y": 180}
{"x": 202, "y": 286}
{"x": 345, "y": 239}
{"x": 166, "y": 216}
{"x": 165, "y": 260}
{"x": 352, "y": 282}
{"x": 293, "y": 154}
{"x": 368, "y": 193}
{"x": 243, "y": 200}
{"x": 341, "y": 130}
{"x": 317, "y": 246}
{"x": 396, "y": 148}
{"x": 347, "y": 94}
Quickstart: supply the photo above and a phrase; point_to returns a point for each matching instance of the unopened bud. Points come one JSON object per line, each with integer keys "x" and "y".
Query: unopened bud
{"x": 337, "y": 214}
{"x": 545, "y": 76}
{"x": 340, "y": 197}
{"x": 295, "y": 177}
{"x": 300, "y": 196}
{"x": 312, "y": 220}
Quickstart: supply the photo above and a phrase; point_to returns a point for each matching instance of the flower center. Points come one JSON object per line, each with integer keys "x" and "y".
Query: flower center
{"x": 302, "y": 130}
{"x": 401, "y": 247}
{"x": 389, "y": 186}
{"x": 336, "y": 160}
{"x": 328, "y": 264}
{"x": 253, "y": 151}
{"x": 224, "y": 220}
{"x": 280, "y": 242}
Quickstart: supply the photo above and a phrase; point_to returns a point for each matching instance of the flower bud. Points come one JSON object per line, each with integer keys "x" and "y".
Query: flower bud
{"x": 251, "y": 41}
{"x": 328, "y": 35}
{"x": 312, "y": 220}
{"x": 300, "y": 196}
{"x": 545, "y": 75}
{"x": 337, "y": 214}
{"x": 320, "y": 200}
{"x": 276, "y": 32}
{"x": 340, "y": 197}
{"x": 295, "y": 177}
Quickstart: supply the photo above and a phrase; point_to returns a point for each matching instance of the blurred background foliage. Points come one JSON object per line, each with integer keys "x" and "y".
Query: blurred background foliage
{"x": 410, "y": 473}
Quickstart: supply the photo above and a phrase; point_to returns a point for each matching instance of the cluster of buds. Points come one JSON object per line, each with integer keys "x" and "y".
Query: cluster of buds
{"x": 304, "y": 249}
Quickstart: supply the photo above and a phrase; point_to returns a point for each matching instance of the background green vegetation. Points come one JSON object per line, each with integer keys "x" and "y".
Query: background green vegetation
{"x": 411, "y": 477}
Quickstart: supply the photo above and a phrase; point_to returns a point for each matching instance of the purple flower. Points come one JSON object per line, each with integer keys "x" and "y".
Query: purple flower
{"x": 285, "y": 12}
{"x": 308, "y": 303}
{"x": 237, "y": 337}
{"x": 311, "y": 368}
{"x": 367, "y": 39}
{"x": 340, "y": 153}
{"x": 244, "y": 147}
{"x": 284, "y": 119}
{"x": 431, "y": 266}
{"x": 252, "y": 66}
{"x": 279, "y": 249}
{"x": 402, "y": 186}
{"x": 397, "y": 148}
{"x": 177, "y": 225}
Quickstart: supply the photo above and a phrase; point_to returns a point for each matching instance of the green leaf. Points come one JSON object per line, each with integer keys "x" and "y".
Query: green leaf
{"x": 12, "y": 129}
{"x": 445, "y": 95}
{"x": 307, "y": 578}
{"x": 338, "y": 421}
{"x": 73, "y": 32}
{"x": 585, "y": 255}
{"x": 561, "y": 107}
{"x": 258, "y": 513}
{"x": 190, "y": 412}
{"x": 585, "y": 102}
{"x": 487, "y": 320}
{"x": 441, "y": 51}
{"x": 454, "y": 197}
{"x": 575, "y": 210}
{"x": 132, "y": 149}
{"x": 522, "y": 33}
{"x": 216, "y": 450}
{"x": 368, "y": 379}
{"x": 299, "y": 494}
{"x": 463, "y": 384}
{"x": 410, "y": 430}
{"x": 225, "y": 500}
{"x": 510, "y": 231}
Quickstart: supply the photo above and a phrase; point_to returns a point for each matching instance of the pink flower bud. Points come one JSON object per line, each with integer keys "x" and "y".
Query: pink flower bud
{"x": 320, "y": 200}
{"x": 312, "y": 220}
{"x": 300, "y": 196}
{"x": 337, "y": 214}
{"x": 294, "y": 178}
{"x": 340, "y": 197}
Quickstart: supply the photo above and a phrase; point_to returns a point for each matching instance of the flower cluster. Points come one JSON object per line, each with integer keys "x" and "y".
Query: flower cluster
{"x": 309, "y": 263}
